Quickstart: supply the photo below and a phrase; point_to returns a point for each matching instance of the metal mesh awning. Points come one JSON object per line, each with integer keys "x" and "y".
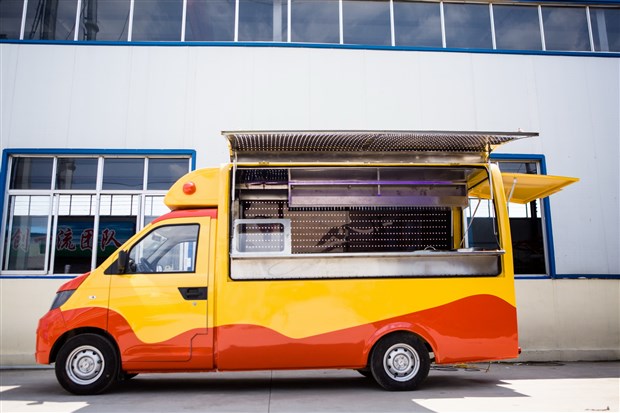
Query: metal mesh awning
{"x": 254, "y": 144}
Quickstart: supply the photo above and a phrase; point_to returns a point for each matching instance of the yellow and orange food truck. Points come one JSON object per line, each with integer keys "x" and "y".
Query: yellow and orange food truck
{"x": 368, "y": 250}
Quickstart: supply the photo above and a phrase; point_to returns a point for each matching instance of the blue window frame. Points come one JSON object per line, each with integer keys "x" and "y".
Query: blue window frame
{"x": 64, "y": 214}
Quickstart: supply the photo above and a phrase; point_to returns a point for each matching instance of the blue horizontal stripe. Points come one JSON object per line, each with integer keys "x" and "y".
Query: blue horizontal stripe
{"x": 569, "y": 277}
{"x": 99, "y": 151}
{"x": 588, "y": 276}
{"x": 317, "y": 46}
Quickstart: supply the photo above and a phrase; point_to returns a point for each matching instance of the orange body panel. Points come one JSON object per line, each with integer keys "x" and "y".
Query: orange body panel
{"x": 458, "y": 332}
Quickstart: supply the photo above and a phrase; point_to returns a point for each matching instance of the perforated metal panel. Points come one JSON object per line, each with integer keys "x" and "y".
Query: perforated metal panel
{"x": 358, "y": 229}
{"x": 266, "y": 143}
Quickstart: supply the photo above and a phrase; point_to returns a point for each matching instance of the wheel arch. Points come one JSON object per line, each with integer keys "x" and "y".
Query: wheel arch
{"x": 392, "y": 329}
{"x": 76, "y": 332}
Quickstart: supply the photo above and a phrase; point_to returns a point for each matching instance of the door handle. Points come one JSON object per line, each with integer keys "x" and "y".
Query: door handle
{"x": 193, "y": 293}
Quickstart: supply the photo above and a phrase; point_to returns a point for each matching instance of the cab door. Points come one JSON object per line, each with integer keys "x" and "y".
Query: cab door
{"x": 158, "y": 301}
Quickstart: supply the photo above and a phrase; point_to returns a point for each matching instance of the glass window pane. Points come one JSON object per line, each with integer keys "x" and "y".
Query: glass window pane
{"x": 119, "y": 204}
{"x": 165, "y": 249}
{"x": 30, "y": 205}
{"x": 165, "y": 172}
{"x": 124, "y": 205}
{"x": 31, "y": 173}
{"x": 519, "y": 167}
{"x": 26, "y": 240}
{"x": 258, "y": 238}
{"x": 104, "y": 20}
{"x": 76, "y": 173}
{"x": 417, "y": 24}
{"x": 114, "y": 231}
{"x": 566, "y": 28}
{"x": 157, "y": 20}
{"x": 123, "y": 173}
{"x": 526, "y": 228}
{"x": 481, "y": 225}
{"x": 315, "y": 21}
{"x": 21, "y": 204}
{"x": 263, "y": 20}
{"x": 153, "y": 207}
{"x": 180, "y": 258}
{"x": 606, "y": 29}
{"x": 210, "y": 20}
{"x": 468, "y": 25}
{"x": 366, "y": 22}
{"x": 50, "y": 20}
{"x": 73, "y": 244}
{"x": 10, "y": 18}
{"x": 76, "y": 204}
{"x": 517, "y": 27}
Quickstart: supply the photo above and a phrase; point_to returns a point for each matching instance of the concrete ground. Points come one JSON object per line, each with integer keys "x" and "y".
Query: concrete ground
{"x": 526, "y": 387}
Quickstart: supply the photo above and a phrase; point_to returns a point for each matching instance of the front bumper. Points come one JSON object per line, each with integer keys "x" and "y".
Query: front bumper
{"x": 51, "y": 327}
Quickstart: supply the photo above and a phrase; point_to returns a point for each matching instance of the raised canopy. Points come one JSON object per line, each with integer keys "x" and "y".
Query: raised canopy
{"x": 371, "y": 146}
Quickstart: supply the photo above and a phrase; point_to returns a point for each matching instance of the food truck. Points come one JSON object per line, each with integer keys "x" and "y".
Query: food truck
{"x": 378, "y": 251}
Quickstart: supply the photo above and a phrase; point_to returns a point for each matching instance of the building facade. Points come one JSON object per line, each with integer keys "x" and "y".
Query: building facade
{"x": 105, "y": 104}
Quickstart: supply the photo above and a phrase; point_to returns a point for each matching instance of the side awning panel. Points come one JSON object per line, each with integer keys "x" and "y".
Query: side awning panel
{"x": 524, "y": 188}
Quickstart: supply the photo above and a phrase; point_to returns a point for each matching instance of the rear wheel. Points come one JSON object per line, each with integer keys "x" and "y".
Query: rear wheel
{"x": 87, "y": 364}
{"x": 400, "y": 361}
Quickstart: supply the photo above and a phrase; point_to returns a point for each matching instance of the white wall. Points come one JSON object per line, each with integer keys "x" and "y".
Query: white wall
{"x": 569, "y": 320}
{"x": 182, "y": 97}
{"x": 128, "y": 97}
{"x": 23, "y": 303}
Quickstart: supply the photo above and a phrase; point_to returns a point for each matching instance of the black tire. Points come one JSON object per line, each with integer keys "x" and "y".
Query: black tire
{"x": 87, "y": 364}
{"x": 399, "y": 362}
{"x": 365, "y": 372}
{"x": 128, "y": 376}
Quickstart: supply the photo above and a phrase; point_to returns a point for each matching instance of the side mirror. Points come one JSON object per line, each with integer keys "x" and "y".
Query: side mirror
{"x": 120, "y": 265}
{"x": 121, "y": 262}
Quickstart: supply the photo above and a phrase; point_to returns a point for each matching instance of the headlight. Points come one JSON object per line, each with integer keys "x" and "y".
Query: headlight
{"x": 61, "y": 298}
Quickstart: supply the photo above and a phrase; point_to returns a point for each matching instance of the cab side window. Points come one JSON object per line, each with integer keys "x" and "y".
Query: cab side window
{"x": 166, "y": 249}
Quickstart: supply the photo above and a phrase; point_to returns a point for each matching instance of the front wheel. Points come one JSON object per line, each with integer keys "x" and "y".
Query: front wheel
{"x": 400, "y": 361}
{"x": 87, "y": 364}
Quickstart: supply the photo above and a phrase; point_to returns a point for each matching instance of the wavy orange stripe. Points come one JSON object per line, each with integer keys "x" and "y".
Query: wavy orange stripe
{"x": 481, "y": 327}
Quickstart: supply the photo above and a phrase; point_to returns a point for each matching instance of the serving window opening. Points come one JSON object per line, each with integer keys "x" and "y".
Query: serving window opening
{"x": 335, "y": 222}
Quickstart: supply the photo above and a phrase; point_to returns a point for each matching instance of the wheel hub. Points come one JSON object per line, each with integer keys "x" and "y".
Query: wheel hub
{"x": 401, "y": 362}
{"x": 85, "y": 365}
